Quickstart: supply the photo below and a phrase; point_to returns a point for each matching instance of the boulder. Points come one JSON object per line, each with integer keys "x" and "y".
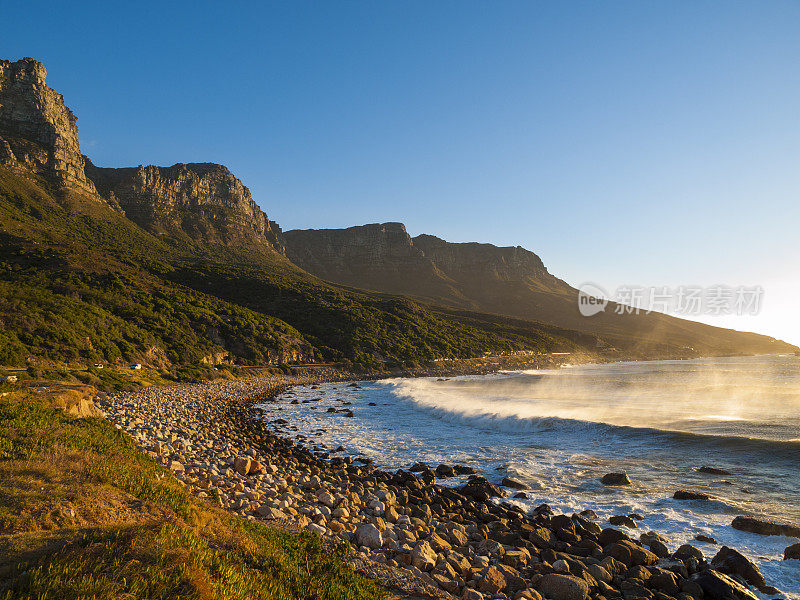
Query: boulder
{"x": 792, "y": 551}
{"x": 733, "y": 562}
{"x": 624, "y": 520}
{"x": 445, "y": 471}
{"x": 766, "y": 527}
{"x": 712, "y": 471}
{"x": 556, "y": 586}
{"x": 419, "y": 467}
{"x": 423, "y": 556}
{"x": 688, "y": 551}
{"x": 630, "y": 554}
{"x": 611, "y": 536}
{"x": 327, "y": 499}
{"x": 480, "y": 489}
{"x": 471, "y": 594}
{"x": 463, "y": 470}
{"x": 718, "y": 586}
{"x": 370, "y": 536}
{"x": 492, "y": 582}
{"x": 269, "y": 512}
{"x": 513, "y": 484}
{"x": 690, "y": 495}
{"x": 241, "y": 464}
{"x": 615, "y": 479}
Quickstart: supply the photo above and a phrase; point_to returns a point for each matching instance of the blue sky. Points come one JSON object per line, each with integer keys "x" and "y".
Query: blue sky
{"x": 646, "y": 143}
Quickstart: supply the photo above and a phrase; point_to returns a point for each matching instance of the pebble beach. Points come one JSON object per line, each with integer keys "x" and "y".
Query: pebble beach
{"x": 417, "y": 537}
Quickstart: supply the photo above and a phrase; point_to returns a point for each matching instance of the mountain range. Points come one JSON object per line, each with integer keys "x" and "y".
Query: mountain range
{"x": 179, "y": 264}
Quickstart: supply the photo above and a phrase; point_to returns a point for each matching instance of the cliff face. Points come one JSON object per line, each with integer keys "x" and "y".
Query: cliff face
{"x": 201, "y": 202}
{"x": 383, "y": 257}
{"x": 37, "y": 131}
{"x": 379, "y": 256}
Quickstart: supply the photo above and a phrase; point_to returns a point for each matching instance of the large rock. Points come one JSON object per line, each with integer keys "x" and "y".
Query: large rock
{"x": 732, "y": 562}
{"x": 630, "y": 554}
{"x": 492, "y": 582}
{"x": 370, "y": 536}
{"x": 556, "y": 586}
{"x": 718, "y": 586}
{"x": 38, "y": 133}
{"x": 423, "y": 556}
{"x": 479, "y": 488}
{"x": 690, "y": 495}
{"x": 615, "y": 479}
{"x": 241, "y": 464}
{"x": 764, "y": 527}
{"x": 792, "y": 551}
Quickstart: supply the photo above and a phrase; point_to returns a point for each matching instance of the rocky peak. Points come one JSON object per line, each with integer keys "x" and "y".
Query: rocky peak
{"x": 365, "y": 255}
{"x": 201, "y": 202}
{"x": 504, "y": 263}
{"x": 37, "y": 131}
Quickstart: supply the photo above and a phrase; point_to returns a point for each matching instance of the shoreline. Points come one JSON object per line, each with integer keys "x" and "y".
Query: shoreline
{"x": 415, "y": 537}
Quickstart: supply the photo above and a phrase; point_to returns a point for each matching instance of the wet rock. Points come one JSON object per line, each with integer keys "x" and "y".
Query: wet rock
{"x": 792, "y": 551}
{"x": 615, "y": 479}
{"x": 623, "y": 520}
{"x": 521, "y": 495}
{"x": 513, "y": 484}
{"x": 556, "y": 586}
{"x": 589, "y": 514}
{"x": 419, "y": 467}
{"x": 463, "y": 470}
{"x": 445, "y": 471}
{"x": 732, "y": 562}
{"x": 701, "y": 537}
{"x": 718, "y": 586}
{"x": 712, "y": 471}
{"x": 764, "y": 527}
{"x": 690, "y": 495}
{"x": 479, "y": 488}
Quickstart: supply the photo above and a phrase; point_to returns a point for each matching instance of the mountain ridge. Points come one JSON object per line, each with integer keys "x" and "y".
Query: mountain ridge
{"x": 509, "y": 281}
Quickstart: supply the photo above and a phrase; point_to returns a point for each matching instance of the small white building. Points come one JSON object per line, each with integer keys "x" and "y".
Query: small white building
{"x": 10, "y": 378}
{"x": 136, "y": 367}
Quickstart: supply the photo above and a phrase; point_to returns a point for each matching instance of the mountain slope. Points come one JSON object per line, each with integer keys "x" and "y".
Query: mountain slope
{"x": 508, "y": 281}
{"x": 172, "y": 265}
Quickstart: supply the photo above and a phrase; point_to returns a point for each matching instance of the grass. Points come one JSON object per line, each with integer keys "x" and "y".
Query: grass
{"x": 83, "y": 514}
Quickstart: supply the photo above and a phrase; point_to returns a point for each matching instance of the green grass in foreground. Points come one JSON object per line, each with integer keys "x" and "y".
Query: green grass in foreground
{"x": 84, "y": 515}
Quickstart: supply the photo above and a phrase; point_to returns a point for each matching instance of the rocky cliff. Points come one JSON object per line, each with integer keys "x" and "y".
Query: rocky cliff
{"x": 37, "y": 131}
{"x": 201, "y": 202}
{"x": 385, "y": 258}
{"x": 379, "y": 256}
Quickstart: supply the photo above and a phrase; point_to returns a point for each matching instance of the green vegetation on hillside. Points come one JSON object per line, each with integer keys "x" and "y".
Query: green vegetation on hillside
{"x": 81, "y": 283}
{"x": 83, "y": 514}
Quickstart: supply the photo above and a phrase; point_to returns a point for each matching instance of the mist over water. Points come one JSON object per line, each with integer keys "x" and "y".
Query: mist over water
{"x": 559, "y": 431}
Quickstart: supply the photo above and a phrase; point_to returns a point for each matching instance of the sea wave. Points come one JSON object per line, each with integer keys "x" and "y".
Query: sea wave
{"x": 499, "y": 415}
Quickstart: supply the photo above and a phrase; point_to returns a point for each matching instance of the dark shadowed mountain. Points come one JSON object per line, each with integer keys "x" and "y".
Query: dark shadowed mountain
{"x": 509, "y": 281}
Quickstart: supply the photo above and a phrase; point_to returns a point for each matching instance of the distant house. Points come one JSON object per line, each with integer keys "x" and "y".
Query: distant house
{"x": 10, "y": 378}
{"x": 98, "y": 365}
{"x": 136, "y": 367}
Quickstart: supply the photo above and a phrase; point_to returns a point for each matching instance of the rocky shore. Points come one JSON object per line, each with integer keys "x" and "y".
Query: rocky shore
{"x": 415, "y": 536}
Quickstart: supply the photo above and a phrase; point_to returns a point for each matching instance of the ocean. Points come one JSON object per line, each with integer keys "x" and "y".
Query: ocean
{"x": 559, "y": 431}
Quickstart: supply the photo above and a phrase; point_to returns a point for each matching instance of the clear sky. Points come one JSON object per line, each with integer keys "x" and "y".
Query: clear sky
{"x": 644, "y": 143}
